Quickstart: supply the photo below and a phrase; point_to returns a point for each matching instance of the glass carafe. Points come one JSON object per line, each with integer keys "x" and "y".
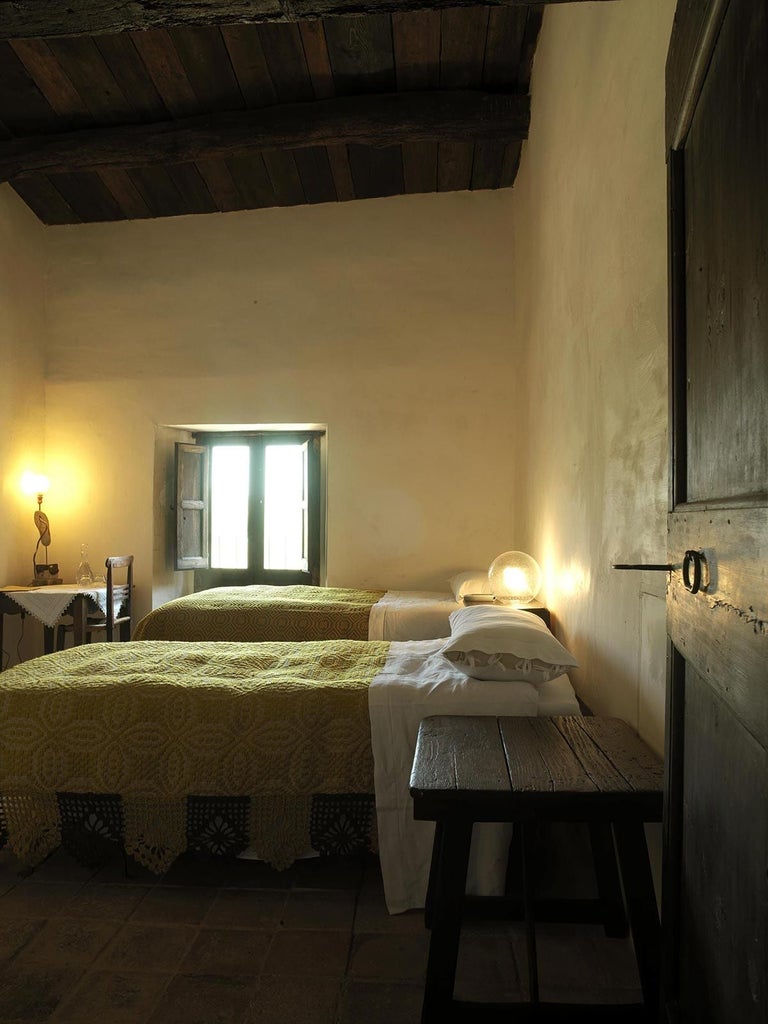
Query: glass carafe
{"x": 83, "y": 576}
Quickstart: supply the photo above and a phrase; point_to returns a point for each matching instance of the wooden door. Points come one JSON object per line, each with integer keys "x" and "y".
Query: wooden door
{"x": 715, "y": 899}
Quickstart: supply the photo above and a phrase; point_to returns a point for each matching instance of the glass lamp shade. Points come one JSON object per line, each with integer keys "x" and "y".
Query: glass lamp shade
{"x": 515, "y": 578}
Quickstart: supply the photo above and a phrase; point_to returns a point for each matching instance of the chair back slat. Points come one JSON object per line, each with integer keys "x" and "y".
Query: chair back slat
{"x": 119, "y": 596}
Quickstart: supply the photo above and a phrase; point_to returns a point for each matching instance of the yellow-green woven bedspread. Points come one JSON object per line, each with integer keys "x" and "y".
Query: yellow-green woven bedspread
{"x": 158, "y": 721}
{"x": 260, "y": 613}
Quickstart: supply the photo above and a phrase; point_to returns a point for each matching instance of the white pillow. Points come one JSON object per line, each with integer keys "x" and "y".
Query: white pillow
{"x": 504, "y": 644}
{"x": 475, "y": 581}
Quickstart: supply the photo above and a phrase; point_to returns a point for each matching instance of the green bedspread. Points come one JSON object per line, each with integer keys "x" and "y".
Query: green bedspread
{"x": 156, "y": 723}
{"x": 258, "y": 613}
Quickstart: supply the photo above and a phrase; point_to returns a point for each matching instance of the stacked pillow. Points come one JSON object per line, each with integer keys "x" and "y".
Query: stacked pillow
{"x": 505, "y": 644}
{"x": 475, "y": 581}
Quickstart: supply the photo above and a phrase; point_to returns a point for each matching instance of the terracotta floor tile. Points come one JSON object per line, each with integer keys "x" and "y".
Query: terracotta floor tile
{"x": 31, "y": 993}
{"x": 279, "y": 1000}
{"x": 371, "y": 916}
{"x": 11, "y": 868}
{"x": 317, "y": 947}
{"x": 15, "y": 933}
{"x": 381, "y": 1002}
{"x": 315, "y": 908}
{"x": 243, "y": 873}
{"x": 328, "y": 873}
{"x": 396, "y": 957}
{"x": 68, "y": 942}
{"x": 571, "y": 959}
{"x": 487, "y": 969}
{"x": 29, "y": 900}
{"x": 193, "y": 870}
{"x": 62, "y": 867}
{"x": 618, "y": 965}
{"x": 112, "y": 997}
{"x": 113, "y": 900}
{"x": 224, "y": 951}
{"x": 175, "y": 905}
{"x": 148, "y": 947}
{"x": 204, "y": 999}
{"x": 308, "y": 953}
{"x": 125, "y": 870}
{"x": 245, "y": 908}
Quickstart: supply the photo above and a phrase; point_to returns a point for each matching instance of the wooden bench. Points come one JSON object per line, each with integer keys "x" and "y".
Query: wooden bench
{"x": 572, "y": 768}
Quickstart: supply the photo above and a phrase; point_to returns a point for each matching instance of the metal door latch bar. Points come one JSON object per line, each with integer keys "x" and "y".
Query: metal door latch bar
{"x": 652, "y": 566}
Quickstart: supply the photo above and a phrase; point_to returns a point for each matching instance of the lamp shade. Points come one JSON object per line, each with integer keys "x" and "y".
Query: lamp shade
{"x": 34, "y": 483}
{"x": 515, "y": 578}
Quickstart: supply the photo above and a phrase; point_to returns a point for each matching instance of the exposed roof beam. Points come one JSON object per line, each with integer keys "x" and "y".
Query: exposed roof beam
{"x": 372, "y": 120}
{"x": 29, "y": 19}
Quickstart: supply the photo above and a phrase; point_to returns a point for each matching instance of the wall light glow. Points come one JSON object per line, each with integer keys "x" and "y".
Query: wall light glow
{"x": 34, "y": 483}
{"x": 568, "y": 579}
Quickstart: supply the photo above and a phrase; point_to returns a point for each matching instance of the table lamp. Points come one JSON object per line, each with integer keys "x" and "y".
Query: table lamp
{"x": 515, "y": 578}
{"x": 37, "y": 484}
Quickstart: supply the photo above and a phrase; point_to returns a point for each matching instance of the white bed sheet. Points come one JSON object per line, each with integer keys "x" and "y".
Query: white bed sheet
{"x": 412, "y": 686}
{"x": 411, "y": 615}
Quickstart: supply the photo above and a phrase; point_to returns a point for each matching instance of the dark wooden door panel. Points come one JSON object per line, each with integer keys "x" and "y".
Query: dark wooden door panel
{"x": 723, "y": 630}
{"x": 716, "y": 826}
{"x": 724, "y": 851}
{"x": 726, "y": 167}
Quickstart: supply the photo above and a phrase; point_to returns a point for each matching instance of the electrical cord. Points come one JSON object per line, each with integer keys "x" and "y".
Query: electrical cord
{"x": 6, "y": 655}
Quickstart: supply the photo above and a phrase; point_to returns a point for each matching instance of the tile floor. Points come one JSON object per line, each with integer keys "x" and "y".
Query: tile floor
{"x": 244, "y": 944}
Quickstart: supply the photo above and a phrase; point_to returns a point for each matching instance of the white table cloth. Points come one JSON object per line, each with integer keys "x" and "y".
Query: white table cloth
{"x": 48, "y": 604}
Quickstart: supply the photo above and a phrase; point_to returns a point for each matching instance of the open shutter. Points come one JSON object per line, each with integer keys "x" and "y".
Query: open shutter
{"x": 313, "y": 497}
{"x": 192, "y": 503}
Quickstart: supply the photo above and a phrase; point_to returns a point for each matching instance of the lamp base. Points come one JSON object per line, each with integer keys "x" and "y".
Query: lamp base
{"x": 46, "y": 575}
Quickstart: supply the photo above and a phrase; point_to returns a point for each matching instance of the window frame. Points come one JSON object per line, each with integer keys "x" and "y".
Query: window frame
{"x": 257, "y": 440}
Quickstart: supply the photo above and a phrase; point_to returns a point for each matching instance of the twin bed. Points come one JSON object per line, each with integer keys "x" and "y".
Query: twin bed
{"x": 273, "y": 746}
{"x": 300, "y": 613}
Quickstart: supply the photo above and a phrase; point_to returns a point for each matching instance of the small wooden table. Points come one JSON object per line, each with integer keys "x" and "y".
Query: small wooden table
{"x": 82, "y": 602}
{"x": 569, "y": 768}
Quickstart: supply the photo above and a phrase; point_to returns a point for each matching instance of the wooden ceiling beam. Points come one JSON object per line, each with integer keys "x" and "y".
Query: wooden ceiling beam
{"x": 383, "y": 119}
{"x": 43, "y": 19}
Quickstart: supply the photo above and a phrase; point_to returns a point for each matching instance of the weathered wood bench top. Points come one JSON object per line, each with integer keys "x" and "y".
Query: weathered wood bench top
{"x": 569, "y": 767}
{"x": 469, "y": 769}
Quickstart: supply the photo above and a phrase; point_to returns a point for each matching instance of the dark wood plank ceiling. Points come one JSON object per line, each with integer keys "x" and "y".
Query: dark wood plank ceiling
{"x": 56, "y": 86}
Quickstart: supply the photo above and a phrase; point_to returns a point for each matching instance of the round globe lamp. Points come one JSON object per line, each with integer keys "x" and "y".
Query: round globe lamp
{"x": 515, "y": 578}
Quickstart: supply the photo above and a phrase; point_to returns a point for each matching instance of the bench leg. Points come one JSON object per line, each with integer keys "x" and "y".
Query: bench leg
{"x": 641, "y": 907}
{"x": 607, "y": 878}
{"x": 529, "y": 892}
{"x": 429, "y": 901}
{"x": 449, "y": 868}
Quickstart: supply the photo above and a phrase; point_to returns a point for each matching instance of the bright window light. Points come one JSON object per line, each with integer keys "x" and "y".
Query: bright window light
{"x": 285, "y": 506}
{"x": 230, "y": 472}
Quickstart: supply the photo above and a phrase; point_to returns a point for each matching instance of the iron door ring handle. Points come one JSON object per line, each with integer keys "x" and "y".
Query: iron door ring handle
{"x": 692, "y": 557}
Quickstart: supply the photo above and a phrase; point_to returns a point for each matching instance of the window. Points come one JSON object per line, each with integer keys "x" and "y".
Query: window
{"x": 249, "y": 508}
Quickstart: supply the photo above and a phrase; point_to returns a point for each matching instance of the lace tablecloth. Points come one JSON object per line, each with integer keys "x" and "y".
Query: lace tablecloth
{"x": 48, "y": 604}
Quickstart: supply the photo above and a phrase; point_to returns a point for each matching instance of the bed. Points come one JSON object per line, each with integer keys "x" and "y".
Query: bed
{"x": 300, "y": 613}
{"x": 276, "y": 747}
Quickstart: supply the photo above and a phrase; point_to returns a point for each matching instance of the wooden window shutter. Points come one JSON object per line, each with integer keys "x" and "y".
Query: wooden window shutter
{"x": 192, "y": 502}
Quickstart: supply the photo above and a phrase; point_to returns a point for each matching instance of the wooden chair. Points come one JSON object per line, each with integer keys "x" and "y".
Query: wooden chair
{"x": 119, "y": 606}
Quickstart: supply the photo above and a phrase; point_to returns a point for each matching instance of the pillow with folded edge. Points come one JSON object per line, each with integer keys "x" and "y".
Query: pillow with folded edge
{"x": 504, "y": 644}
{"x": 473, "y": 581}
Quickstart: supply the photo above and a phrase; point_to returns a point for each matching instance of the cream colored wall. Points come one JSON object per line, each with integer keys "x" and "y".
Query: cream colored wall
{"x": 391, "y": 321}
{"x": 22, "y": 396}
{"x": 589, "y": 276}
{"x": 491, "y": 366}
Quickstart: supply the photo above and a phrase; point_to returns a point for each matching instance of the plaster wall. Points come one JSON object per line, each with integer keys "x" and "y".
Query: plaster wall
{"x": 589, "y": 281}
{"x": 22, "y": 393}
{"x": 388, "y": 321}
